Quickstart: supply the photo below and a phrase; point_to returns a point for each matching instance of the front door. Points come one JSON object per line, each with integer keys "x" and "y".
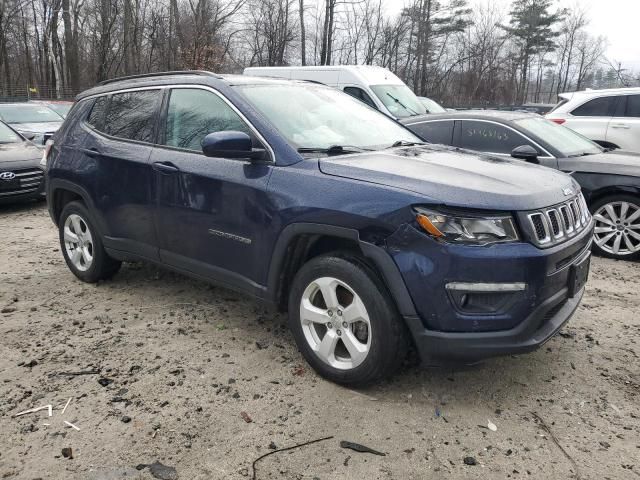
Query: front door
{"x": 210, "y": 211}
{"x": 624, "y": 128}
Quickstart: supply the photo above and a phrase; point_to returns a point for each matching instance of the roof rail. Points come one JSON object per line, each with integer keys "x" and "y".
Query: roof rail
{"x": 161, "y": 74}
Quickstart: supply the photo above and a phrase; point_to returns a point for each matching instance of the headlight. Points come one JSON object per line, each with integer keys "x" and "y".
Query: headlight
{"x": 467, "y": 229}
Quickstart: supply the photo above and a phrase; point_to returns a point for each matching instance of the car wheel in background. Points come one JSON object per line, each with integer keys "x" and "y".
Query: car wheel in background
{"x": 617, "y": 226}
{"x": 82, "y": 246}
{"x": 344, "y": 321}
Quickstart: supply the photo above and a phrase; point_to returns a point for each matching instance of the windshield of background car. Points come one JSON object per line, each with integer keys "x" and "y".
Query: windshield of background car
{"x": 7, "y": 135}
{"x": 321, "y": 117}
{"x": 28, "y": 114}
{"x": 566, "y": 141}
{"x": 61, "y": 108}
{"x": 432, "y": 106}
{"x": 399, "y": 100}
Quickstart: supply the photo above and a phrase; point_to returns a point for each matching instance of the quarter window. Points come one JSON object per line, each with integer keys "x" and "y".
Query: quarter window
{"x": 598, "y": 107}
{"x": 489, "y": 137}
{"x": 97, "y": 113}
{"x": 131, "y": 115}
{"x": 435, "y": 132}
{"x": 195, "y": 113}
{"x": 360, "y": 95}
{"x": 633, "y": 106}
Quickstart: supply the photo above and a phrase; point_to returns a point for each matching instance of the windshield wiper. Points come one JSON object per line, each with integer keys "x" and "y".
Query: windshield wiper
{"x": 406, "y": 143}
{"x": 334, "y": 149}
{"x": 412, "y": 111}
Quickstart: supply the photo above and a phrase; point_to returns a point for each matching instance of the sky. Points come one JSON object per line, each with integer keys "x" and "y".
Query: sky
{"x": 615, "y": 19}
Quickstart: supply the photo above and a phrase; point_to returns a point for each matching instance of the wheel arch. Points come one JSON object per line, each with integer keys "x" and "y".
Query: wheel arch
{"x": 60, "y": 192}
{"x": 599, "y": 194}
{"x": 300, "y": 242}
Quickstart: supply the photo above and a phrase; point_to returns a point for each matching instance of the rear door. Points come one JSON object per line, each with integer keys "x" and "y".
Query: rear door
{"x": 592, "y": 118}
{"x": 211, "y": 212}
{"x": 624, "y": 127}
{"x": 120, "y": 131}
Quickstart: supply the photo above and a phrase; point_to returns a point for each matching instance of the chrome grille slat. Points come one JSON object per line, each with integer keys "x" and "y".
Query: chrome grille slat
{"x": 557, "y": 224}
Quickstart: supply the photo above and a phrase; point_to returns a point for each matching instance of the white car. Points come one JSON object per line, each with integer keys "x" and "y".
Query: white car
{"x": 608, "y": 117}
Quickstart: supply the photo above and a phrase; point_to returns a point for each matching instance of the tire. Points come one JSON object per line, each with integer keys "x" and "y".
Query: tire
{"x": 374, "y": 331}
{"x": 84, "y": 253}
{"x": 617, "y": 226}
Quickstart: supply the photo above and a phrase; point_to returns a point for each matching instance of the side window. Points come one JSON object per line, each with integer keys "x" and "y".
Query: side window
{"x": 131, "y": 115}
{"x": 489, "y": 137}
{"x": 96, "y": 117}
{"x": 195, "y": 113}
{"x": 633, "y": 106}
{"x": 598, "y": 107}
{"x": 360, "y": 95}
{"x": 435, "y": 132}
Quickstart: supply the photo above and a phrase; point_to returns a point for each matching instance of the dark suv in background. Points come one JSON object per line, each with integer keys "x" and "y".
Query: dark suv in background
{"x": 300, "y": 195}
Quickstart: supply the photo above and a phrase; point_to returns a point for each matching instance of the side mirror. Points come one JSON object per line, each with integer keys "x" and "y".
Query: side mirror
{"x": 230, "y": 144}
{"x": 526, "y": 153}
{"x": 29, "y": 135}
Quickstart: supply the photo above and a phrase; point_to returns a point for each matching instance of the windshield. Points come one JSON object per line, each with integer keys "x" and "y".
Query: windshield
{"x": 28, "y": 114}
{"x": 320, "y": 117}
{"x": 431, "y": 105}
{"x": 566, "y": 141}
{"x": 61, "y": 108}
{"x": 7, "y": 135}
{"x": 399, "y": 100}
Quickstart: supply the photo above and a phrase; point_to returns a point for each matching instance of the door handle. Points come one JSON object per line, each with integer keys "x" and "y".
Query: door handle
{"x": 621, "y": 125}
{"x": 165, "y": 167}
{"x": 90, "y": 152}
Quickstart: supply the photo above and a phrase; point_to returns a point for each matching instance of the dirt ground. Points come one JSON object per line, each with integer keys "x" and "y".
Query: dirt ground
{"x": 176, "y": 363}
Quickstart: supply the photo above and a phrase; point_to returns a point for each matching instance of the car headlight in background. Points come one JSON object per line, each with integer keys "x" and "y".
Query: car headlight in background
{"x": 467, "y": 229}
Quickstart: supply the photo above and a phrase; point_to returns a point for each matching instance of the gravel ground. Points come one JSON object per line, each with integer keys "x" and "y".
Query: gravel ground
{"x": 205, "y": 381}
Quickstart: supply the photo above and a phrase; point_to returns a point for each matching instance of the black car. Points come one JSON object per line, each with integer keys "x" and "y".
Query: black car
{"x": 610, "y": 179}
{"x": 21, "y": 176}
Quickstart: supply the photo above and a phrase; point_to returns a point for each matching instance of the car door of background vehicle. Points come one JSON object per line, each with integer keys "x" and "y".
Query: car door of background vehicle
{"x": 592, "y": 118}
{"x": 624, "y": 128}
{"x": 118, "y": 141}
{"x": 210, "y": 211}
{"x": 496, "y": 139}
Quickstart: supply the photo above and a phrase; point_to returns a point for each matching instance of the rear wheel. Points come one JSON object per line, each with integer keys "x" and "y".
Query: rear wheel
{"x": 617, "y": 226}
{"x": 82, "y": 246}
{"x": 344, "y": 322}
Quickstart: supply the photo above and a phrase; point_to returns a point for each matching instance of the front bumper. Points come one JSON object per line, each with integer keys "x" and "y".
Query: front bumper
{"x": 545, "y": 299}
{"x": 529, "y": 335}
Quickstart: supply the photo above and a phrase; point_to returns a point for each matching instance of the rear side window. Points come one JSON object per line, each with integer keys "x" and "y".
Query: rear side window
{"x": 131, "y": 115}
{"x": 435, "y": 132}
{"x": 598, "y": 107}
{"x": 195, "y": 113}
{"x": 489, "y": 137}
{"x": 360, "y": 95}
{"x": 633, "y": 106}
{"x": 96, "y": 117}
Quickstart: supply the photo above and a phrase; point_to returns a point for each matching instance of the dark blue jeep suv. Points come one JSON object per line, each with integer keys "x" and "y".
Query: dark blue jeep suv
{"x": 300, "y": 195}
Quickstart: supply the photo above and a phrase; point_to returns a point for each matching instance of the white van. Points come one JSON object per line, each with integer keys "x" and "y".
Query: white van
{"x": 375, "y": 86}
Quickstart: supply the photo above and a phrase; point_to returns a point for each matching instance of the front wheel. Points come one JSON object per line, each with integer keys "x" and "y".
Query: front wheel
{"x": 617, "y": 226}
{"x": 82, "y": 246}
{"x": 344, "y": 321}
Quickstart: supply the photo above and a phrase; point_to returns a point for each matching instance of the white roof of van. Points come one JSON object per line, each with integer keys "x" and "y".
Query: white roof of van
{"x": 366, "y": 74}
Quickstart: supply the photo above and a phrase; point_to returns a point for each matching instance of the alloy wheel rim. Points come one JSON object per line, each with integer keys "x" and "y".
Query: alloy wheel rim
{"x": 617, "y": 228}
{"x": 78, "y": 242}
{"x": 335, "y": 323}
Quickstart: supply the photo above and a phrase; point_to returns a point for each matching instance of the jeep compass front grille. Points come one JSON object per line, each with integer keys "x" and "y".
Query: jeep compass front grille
{"x": 556, "y": 224}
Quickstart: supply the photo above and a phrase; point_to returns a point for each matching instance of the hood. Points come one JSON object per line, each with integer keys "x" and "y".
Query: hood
{"x": 616, "y": 162}
{"x": 457, "y": 178}
{"x": 17, "y": 155}
{"x": 38, "y": 127}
